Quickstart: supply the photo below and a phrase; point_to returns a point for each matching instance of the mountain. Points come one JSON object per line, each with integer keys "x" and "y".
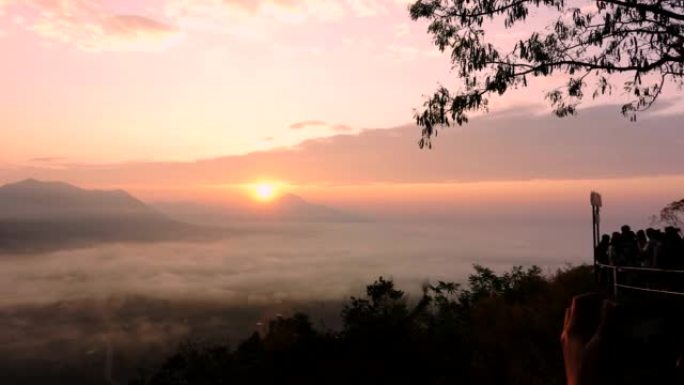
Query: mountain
{"x": 32, "y": 199}
{"x": 294, "y": 207}
{"x": 38, "y": 216}
{"x": 288, "y": 208}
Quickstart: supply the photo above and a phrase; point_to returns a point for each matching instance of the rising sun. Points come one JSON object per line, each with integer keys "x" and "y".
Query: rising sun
{"x": 265, "y": 192}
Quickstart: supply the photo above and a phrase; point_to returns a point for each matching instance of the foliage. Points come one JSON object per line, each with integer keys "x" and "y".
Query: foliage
{"x": 590, "y": 42}
{"x": 672, "y": 214}
{"x": 499, "y": 329}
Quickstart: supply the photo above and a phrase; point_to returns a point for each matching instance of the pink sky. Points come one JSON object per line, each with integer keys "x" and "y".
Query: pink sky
{"x": 181, "y": 80}
{"x": 179, "y": 94}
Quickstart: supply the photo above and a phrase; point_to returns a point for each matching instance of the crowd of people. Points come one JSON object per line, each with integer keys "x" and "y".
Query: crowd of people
{"x": 653, "y": 248}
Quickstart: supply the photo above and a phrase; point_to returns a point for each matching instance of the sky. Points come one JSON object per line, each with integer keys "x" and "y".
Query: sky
{"x": 180, "y": 80}
{"x": 179, "y": 99}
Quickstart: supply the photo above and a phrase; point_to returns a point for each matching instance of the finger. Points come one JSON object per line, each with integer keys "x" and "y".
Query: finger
{"x": 585, "y": 315}
{"x": 566, "y": 323}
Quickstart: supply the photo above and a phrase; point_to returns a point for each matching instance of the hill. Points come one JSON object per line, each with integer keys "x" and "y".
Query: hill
{"x": 288, "y": 208}
{"x": 38, "y": 216}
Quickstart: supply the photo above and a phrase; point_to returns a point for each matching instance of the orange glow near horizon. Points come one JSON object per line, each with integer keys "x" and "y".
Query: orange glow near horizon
{"x": 265, "y": 191}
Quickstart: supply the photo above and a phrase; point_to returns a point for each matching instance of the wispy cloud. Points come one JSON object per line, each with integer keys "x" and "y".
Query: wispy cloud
{"x": 47, "y": 159}
{"x": 91, "y": 26}
{"x": 319, "y": 124}
{"x": 241, "y": 16}
{"x": 246, "y": 18}
{"x": 308, "y": 123}
{"x": 111, "y": 26}
{"x": 283, "y": 10}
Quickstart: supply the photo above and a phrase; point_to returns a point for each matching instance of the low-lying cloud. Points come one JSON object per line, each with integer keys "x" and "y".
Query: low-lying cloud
{"x": 271, "y": 264}
{"x": 70, "y": 313}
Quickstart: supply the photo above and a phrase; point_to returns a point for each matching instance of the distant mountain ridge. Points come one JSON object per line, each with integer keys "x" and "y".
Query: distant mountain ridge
{"x": 38, "y": 216}
{"x": 41, "y": 200}
{"x": 294, "y": 207}
{"x": 287, "y": 208}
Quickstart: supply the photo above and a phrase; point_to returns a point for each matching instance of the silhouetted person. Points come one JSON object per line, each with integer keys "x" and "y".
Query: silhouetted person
{"x": 630, "y": 247}
{"x": 641, "y": 244}
{"x": 671, "y": 256}
{"x": 601, "y": 251}
{"x": 653, "y": 247}
{"x": 615, "y": 249}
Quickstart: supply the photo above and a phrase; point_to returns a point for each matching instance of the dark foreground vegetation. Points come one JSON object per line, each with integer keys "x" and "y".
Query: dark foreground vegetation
{"x": 497, "y": 329}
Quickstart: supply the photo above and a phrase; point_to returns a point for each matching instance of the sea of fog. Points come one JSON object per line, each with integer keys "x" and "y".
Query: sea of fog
{"x": 73, "y": 312}
{"x": 272, "y": 263}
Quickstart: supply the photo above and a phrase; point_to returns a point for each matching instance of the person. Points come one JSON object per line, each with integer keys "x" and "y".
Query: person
{"x": 630, "y": 248}
{"x": 601, "y": 252}
{"x": 672, "y": 249}
{"x": 652, "y": 249}
{"x": 615, "y": 249}
{"x": 641, "y": 244}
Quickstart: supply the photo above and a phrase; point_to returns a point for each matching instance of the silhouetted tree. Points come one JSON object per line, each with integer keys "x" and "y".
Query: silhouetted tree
{"x": 672, "y": 214}
{"x": 498, "y": 329}
{"x": 590, "y": 42}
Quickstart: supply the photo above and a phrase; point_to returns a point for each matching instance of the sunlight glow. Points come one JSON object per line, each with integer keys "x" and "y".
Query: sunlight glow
{"x": 265, "y": 192}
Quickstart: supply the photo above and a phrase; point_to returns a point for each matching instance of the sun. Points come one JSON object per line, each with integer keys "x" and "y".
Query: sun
{"x": 265, "y": 192}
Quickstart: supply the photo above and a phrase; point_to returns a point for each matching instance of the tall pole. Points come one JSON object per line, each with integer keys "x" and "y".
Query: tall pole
{"x": 596, "y": 203}
{"x": 593, "y": 228}
{"x": 595, "y": 244}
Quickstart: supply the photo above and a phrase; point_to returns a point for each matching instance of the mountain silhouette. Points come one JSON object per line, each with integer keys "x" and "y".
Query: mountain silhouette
{"x": 287, "y": 208}
{"x": 32, "y": 199}
{"x": 294, "y": 207}
{"x": 38, "y": 216}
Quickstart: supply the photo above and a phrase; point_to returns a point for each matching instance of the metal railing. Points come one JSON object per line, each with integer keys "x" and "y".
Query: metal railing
{"x": 616, "y": 269}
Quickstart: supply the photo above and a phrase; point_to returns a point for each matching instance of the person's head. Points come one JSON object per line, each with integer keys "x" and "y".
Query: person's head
{"x": 641, "y": 235}
{"x": 651, "y": 233}
{"x": 615, "y": 238}
{"x": 605, "y": 239}
{"x": 671, "y": 232}
{"x": 626, "y": 229}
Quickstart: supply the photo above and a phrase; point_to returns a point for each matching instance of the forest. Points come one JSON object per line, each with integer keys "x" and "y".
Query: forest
{"x": 495, "y": 329}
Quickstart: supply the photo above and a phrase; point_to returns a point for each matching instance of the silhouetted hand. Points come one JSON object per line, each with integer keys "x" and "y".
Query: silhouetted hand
{"x": 584, "y": 338}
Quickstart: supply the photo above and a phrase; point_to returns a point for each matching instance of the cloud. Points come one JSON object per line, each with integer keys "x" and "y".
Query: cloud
{"x": 113, "y": 26}
{"x": 47, "y": 159}
{"x": 241, "y": 16}
{"x": 307, "y": 124}
{"x": 341, "y": 128}
{"x": 319, "y": 124}
{"x": 519, "y": 145}
{"x": 91, "y": 26}
{"x": 248, "y": 18}
{"x": 133, "y": 26}
{"x": 141, "y": 301}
